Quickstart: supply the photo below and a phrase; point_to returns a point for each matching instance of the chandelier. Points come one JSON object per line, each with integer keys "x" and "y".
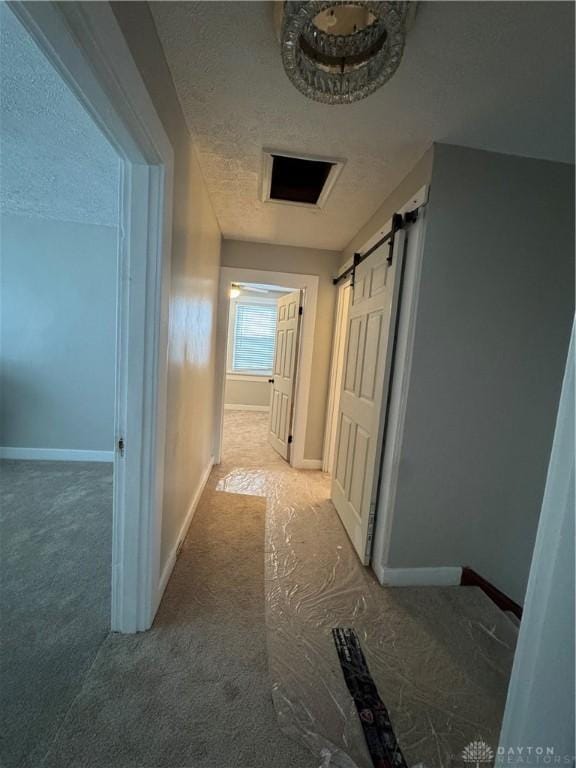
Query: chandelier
{"x": 340, "y": 52}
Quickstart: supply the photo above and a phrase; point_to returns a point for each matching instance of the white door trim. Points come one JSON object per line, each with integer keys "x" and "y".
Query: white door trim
{"x": 242, "y": 407}
{"x": 55, "y": 454}
{"x": 309, "y": 283}
{"x": 445, "y": 576}
{"x": 85, "y": 44}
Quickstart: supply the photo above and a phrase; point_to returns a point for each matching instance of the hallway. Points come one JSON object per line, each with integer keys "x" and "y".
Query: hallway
{"x": 327, "y": 225}
{"x": 194, "y": 691}
{"x": 265, "y": 572}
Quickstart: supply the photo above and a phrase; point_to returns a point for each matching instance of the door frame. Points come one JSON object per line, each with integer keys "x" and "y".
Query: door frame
{"x": 336, "y": 371}
{"x": 309, "y": 285}
{"x": 84, "y": 43}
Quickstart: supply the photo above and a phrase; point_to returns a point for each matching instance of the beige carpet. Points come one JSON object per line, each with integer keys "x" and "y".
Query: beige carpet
{"x": 55, "y": 554}
{"x": 194, "y": 691}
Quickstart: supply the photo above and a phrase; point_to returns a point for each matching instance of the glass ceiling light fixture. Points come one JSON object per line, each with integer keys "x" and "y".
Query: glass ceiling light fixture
{"x": 341, "y": 52}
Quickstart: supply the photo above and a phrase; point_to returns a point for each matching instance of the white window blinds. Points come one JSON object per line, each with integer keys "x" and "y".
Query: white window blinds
{"x": 254, "y": 337}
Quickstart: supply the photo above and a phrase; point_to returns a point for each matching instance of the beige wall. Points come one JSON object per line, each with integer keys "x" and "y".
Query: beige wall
{"x": 247, "y": 391}
{"x": 307, "y": 261}
{"x": 193, "y": 294}
{"x": 417, "y": 178}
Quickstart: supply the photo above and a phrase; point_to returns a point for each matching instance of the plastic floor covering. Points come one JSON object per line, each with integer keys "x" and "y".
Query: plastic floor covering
{"x": 440, "y": 656}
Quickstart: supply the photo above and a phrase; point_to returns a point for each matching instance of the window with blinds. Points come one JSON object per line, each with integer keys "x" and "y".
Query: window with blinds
{"x": 254, "y": 337}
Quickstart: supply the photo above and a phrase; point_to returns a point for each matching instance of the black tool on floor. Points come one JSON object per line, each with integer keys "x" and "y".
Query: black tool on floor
{"x": 374, "y": 717}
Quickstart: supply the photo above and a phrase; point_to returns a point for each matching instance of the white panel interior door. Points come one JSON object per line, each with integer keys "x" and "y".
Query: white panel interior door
{"x": 364, "y": 391}
{"x": 284, "y": 375}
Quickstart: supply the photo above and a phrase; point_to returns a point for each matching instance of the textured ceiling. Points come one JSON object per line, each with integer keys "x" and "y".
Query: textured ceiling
{"x": 55, "y": 163}
{"x": 490, "y": 75}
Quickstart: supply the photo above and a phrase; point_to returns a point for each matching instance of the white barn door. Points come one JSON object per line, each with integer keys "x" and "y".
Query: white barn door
{"x": 284, "y": 375}
{"x": 364, "y": 392}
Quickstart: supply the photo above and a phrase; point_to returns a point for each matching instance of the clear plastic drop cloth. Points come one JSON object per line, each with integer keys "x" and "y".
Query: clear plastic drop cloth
{"x": 440, "y": 656}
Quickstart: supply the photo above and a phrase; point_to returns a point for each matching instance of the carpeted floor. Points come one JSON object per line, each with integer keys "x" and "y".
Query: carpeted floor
{"x": 55, "y": 555}
{"x": 194, "y": 691}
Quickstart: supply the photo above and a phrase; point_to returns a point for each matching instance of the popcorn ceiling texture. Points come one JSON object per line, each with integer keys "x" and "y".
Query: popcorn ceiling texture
{"x": 55, "y": 163}
{"x": 496, "y": 76}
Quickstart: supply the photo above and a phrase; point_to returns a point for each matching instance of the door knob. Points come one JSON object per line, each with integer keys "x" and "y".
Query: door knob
{"x": 270, "y": 381}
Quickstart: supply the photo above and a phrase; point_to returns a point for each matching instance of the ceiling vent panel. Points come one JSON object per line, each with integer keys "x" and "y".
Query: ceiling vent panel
{"x": 292, "y": 179}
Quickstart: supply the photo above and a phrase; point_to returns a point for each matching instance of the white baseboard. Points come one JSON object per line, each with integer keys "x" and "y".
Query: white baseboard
{"x": 54, "y": 454}
{"x": 240, "y": 407}
{"x": 418, "y": 577}
{"x": 308, "y": 464}
{"x": 171, "y": 562}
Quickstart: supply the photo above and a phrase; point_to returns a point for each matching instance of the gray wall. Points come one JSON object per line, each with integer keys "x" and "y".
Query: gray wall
{"x": 58, "y": 325}
{"x": 492, "y": 330}
{"x": 59, "y": 217}
{"x": 306, "y": 261}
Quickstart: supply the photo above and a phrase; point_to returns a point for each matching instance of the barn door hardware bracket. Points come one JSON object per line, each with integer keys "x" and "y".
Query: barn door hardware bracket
{"x": 411, "y": 216}
{"x": 356, "y": 261}
{"x": 399, "y": 222}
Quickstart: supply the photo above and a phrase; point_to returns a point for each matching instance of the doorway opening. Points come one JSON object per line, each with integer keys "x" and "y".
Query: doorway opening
{"x": 59, "y": 240}
{"x": 86, "y": 358}
{"x": 59, "y": 204}
{"x": 264, "y": 357}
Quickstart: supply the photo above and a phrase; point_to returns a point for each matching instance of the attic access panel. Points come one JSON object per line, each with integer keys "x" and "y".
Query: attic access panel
{"x": 298, "y": 179}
